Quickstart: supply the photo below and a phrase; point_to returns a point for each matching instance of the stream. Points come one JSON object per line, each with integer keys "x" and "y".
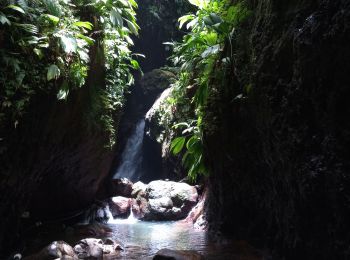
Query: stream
{"x": 142, "y": 240}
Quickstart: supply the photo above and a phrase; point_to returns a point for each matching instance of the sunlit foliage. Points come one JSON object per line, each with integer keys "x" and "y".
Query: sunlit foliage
{"x": 211, "y": 29}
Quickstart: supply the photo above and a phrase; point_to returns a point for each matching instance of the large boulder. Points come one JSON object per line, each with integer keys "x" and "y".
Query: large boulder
{"x": 168, "y": 200}
{"x": 139, "y": 188}
{"x": 120, "y": 206}
{"x": 122, "y": 187}
{"x": 93, "y": 248}
{"x": 56, "y": 250}
{"x": 140, "y": 207}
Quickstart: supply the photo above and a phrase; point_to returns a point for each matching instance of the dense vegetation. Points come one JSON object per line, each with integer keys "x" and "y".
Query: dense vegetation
{"x": 211, "y": 31}
{"x": 45, "y": 47}
{"x": 65, "y": 69}
{"x": 259, "y": 107}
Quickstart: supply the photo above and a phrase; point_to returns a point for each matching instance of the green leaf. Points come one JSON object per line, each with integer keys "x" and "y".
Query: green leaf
{"x": 86, "y": 25}
{"x": 215, "y": 18}
{"x": 39, "y": 53}
{"x": 128, "y": 39}
{"x": 27, "y": 27}
{"x": 53, "y": 72}
{"x": 64, "y": 91}
{"x": 184, "y": 19}
{"x": 3, "y": 19}
{"x": 62, "y": 94}
{"x": 52, "y": 18}
{"x": 177, "y": 144}
{"x": 133, "y": 3}
{"x": 133, "y": 27}
{"x": 69, "y": 44}
{"x": 195, "y": 2}
{"x": 192, "y": 143}
{"x": 125, "y": 3}
{"x": 83, "y": 54}
{"x": 116, "y": 18}
{"x": 211, "y": 51}
{"x": 89, "y": 40}
{"x": 182, "y": 124}
{"x": 16, "y": 8}
{"x": 135, "y": 64}
{"x": 199, "y": 3}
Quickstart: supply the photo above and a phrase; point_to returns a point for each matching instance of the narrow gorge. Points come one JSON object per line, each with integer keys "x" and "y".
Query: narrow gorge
{"x": 174, "y": 129}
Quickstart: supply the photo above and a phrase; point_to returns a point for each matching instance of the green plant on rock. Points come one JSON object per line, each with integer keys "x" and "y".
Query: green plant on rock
{"x": 118, "y": 23}
{"x": 191, "y": 141}
{"x": 211, "y": 29}
{"x": 44, "y": 47}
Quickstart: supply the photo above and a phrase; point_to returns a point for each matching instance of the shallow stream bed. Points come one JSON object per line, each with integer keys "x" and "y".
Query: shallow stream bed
{"x": 142, "y": 240}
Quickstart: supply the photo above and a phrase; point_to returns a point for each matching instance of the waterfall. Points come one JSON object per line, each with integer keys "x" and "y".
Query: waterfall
{"x": 132, "y": 154}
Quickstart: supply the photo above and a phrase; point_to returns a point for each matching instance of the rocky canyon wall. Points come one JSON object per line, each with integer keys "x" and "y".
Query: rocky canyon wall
{"x": 277, "y": 131}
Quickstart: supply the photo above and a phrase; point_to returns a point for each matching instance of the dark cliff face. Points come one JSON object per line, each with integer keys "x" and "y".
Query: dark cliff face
{"x": 56, "y": 159}
{"x": 279, "y": 156}
{"x": 158, "y": 19}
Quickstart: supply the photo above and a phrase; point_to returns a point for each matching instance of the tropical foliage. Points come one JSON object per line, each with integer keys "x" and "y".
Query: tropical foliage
{"x": 211, "y": 29}
{"x": 44, "y": 47}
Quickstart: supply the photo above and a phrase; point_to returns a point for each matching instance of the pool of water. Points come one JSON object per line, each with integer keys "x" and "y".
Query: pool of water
{"x": 142, "y": 240}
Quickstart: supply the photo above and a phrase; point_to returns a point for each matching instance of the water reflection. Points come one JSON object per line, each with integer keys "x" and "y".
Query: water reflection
{"x": 149, "y": 237}
{"x": 143, "y": 239}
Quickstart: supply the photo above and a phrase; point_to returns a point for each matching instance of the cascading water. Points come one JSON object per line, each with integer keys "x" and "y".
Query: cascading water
{"x": 130, "y": 220}
{"x": 132, "y": 154}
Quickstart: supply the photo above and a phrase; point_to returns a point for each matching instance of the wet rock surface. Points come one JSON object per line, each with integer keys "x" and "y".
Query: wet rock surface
{"x": 120, "y": 206}
{"x": 56, "y": 250}
{"x": 158, "y": 200}
{"x": 169, "y": 200}
{"x": 197, "y": 214}
{"x": 279, "y": 156}
{"x": 121, "y": 187}
{"x": 87, "y": 248}
{"x": 92, "y": 248}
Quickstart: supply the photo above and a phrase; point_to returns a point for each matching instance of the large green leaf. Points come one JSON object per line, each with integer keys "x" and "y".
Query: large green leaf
{"x": 16, "y": 8}
{"x": 31, "y": 28}
{"x": 64, "y": 91}
{"x": 178, "y": 144}
{"x": 133, "y": 3}
{"x": 211, "y": 51}
{"x": 87, "y": 39}
{"x": 184, "y": 19}
{"x": 133, "y": 27}
{"x": 53, "y": 72}
{"x": 116, "y": 18}
{"x": 86, "y": 25}
{"x": 52, "y": 18}
{"x": 69, "y": 44}
{"x": 200, "y": 3}
{"x": 3, "y": 19}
